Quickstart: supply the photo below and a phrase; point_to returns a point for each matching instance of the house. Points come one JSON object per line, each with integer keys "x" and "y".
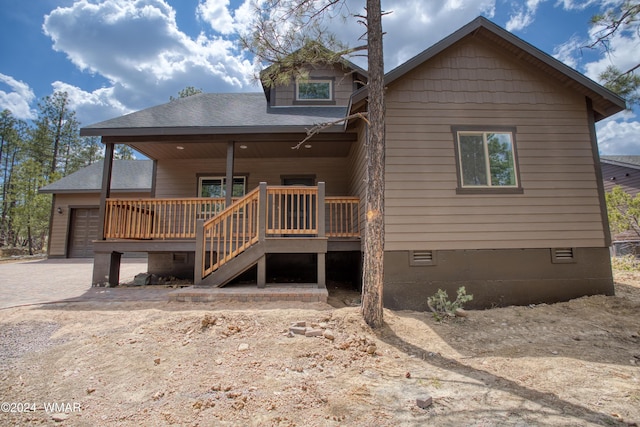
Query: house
{"x": 492, "y": 178}
{"x": 622, "y": 171}
{"x": 73, "y": 226}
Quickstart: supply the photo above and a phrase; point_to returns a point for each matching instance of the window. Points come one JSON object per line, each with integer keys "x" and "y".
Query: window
{"x": 486, "y": 160}
{"x": 214, "y": 187}
{"x": 314, "y": 90}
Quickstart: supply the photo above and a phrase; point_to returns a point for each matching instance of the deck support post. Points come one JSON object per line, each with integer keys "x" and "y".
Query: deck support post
{"x": 106, "y": 269}
{"x": 200, "y": 253}
{"x": 322, "y": 269}
{"x": 262, "y": 272}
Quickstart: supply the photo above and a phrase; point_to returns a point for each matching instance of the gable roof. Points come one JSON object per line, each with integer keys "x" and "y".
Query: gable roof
{"x": 217, "y": 113}
{"x": 605, "y": 102}
{"x": 127, "y": 176}
{"x": 322, "y": 53}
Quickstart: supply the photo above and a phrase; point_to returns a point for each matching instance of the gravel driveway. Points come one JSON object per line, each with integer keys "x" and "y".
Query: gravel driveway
{"x": 51, "y": 280}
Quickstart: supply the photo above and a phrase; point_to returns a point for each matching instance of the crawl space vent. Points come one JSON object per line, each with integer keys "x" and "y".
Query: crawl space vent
{"x": 560, "y": 255}
{"x": 424, "y": 257}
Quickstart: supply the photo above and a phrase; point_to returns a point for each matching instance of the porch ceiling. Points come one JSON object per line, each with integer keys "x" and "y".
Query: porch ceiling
{"x": 256, "y": 146}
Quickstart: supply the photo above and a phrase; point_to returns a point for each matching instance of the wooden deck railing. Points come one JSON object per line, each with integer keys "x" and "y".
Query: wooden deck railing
{"x": 290, "y": 211}
{"x": 157, "y": 218}
{"x": 230, "y": 233}
{"x": 342, "y": 216}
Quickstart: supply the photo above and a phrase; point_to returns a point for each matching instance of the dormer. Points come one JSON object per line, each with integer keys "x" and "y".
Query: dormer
{"x": 318, "y": 83}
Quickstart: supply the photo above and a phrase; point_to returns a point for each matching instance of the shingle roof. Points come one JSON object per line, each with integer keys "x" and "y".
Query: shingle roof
{"x": 216, "y": 113}
{"x": 629, "y": 161}
{"x": 127, "y": 175}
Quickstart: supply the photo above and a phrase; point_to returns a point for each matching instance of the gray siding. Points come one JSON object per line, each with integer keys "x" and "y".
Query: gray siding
{"x": 358, "y": 171}
{"x": 473, "y": 84}
{"x": 178, "y": 178}
{"x": 342, "y": 83}
{"x": 618, "y": 175}
{"x": 58, "y": 235}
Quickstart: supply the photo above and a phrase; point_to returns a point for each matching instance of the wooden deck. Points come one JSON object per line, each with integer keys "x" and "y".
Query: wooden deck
{"x": 229, "y": 240}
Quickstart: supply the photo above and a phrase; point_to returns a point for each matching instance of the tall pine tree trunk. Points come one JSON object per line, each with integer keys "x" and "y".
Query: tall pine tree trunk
{"x": 373, "y": 269}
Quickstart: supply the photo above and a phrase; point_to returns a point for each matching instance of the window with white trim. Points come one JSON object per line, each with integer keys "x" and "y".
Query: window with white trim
{"x": 215, "y": 186}
{"x": 486, "y": 159}
{"x": 314, "y": 90}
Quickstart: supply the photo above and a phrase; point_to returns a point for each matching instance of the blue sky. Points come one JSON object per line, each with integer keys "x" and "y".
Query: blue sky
{"x": 118, "y": 56}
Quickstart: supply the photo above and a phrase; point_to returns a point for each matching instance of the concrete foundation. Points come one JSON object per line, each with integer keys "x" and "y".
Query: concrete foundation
{"x": 175, "y": 264}
{"x": 497, "y": 277}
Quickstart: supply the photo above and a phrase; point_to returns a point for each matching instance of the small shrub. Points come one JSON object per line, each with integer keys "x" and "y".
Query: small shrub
{"x": 442, "y": 307}
{"x": 625, "y": 263}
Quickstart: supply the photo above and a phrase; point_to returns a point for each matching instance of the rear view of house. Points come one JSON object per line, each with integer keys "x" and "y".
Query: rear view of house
{"x": 492, "y": 178}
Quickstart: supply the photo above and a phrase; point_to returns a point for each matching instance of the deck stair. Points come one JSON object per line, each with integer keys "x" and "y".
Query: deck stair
{"x": 267, "y": 220}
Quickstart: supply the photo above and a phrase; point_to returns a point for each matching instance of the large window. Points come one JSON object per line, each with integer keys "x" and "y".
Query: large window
{"x": 486, "y": 160}
{"x": 214, "y": 186}
{"x": 314, "y": 90}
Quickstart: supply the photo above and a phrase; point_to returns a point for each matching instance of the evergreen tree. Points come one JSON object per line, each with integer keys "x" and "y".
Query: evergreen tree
{"x": 622, "y": 18}
{"x": 289, "y": 34}
{"x": 187, "y": 91}
{"x": 14, "y": 133}
{"x": 56, "y": 131}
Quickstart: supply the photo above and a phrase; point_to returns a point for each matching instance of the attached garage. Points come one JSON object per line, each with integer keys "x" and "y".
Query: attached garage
{"x": 75, "y": 214}
{"x": 83, "y": 230}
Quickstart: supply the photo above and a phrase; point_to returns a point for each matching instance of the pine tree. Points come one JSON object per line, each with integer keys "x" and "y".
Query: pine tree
{"x": 289, "y": 34}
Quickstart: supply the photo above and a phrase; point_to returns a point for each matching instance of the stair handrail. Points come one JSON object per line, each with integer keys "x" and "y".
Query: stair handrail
{"x": 230, "y": 233}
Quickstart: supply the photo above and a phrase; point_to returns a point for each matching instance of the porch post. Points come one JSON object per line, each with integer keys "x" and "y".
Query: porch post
{"x": 322, "y": 269}
{"x": 262, "y": 212}
{"x": 229, "y": 178}
{"x": 106, "y": 187}
{"x": 106, "y": 266}
{"x": 200, "y": 253}
{"x": 321, "y": 210}
{"x": 262, "y": 233}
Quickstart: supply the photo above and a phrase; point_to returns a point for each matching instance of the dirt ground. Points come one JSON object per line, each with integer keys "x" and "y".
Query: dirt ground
{"x": 126, "y": 364}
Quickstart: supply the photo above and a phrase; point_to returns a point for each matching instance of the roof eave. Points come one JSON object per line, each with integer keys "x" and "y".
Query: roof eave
{"x": 620, "y": 163}
{"x": 188, "y": 130}
{"x": 91, "y": 190}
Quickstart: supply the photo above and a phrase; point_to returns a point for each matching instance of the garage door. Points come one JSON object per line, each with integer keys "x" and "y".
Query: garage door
{"x": 84, "y": 229}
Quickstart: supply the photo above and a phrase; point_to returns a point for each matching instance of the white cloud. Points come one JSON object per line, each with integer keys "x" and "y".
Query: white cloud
{"x": 569, "y": 51}
{"x": 524, "y": 16}
{"x": 619, "y": 136}
{"x": 217, "y": 15}
{"x": 138, "y": 47}
{"x": 18, "y": 99}
{"x": 91, "y": 107}
{"x": 414, "y": 25}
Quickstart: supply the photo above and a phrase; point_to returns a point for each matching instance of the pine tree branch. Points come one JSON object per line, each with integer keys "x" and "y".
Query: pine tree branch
{"x": 318, "y": 128}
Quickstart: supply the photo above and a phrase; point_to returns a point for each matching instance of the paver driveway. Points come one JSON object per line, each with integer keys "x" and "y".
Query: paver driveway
{"x": 51, "y": 280}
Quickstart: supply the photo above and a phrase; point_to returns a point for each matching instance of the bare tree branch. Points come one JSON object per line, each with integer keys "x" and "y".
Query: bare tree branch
{"x": 311, "y": 132}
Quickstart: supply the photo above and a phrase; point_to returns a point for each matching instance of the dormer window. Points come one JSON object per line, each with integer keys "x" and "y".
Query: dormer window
{"x": 311, "y": 90}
